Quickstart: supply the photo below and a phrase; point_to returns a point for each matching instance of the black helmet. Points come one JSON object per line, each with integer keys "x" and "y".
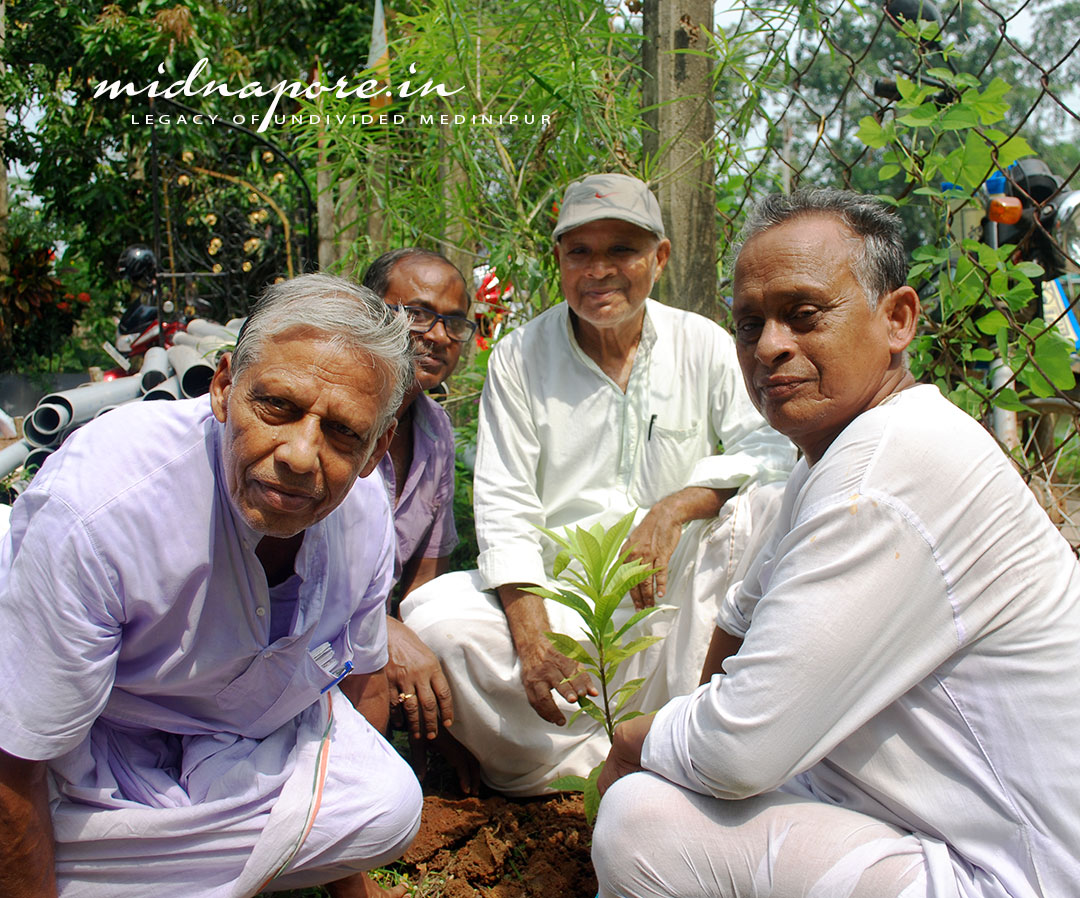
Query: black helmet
{"x": 137, "y": 264}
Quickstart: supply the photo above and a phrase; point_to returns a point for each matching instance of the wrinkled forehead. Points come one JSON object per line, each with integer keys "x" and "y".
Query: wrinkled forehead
{"x": 608, "y": 230}
{"x": 798, "y": 247}
{"x": 432, "y": 282}
{"x": 302, "y": 348}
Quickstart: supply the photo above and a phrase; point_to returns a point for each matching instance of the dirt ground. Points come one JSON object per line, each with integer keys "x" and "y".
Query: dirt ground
{"x": 495, "y": 848}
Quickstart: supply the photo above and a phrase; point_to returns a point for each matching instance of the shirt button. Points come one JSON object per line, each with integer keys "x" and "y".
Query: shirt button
{"x": 268, "y": 654}
{"x": 260, "y": 611}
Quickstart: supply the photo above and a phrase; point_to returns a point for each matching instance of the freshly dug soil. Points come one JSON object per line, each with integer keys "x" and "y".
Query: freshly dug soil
{"x": 495, "y": 848}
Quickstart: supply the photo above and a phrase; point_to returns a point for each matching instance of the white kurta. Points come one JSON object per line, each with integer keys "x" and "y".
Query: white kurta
{"x": 137, "y": 657}
{"x": 560, "y": 444}
{"x": 910, "y": 653}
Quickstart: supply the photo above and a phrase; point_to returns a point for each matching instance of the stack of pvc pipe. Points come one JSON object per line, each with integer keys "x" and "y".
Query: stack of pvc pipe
{"x": 182, "y": 371}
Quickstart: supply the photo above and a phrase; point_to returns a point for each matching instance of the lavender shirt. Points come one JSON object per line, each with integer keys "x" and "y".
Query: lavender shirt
{"x": 132, "y": 603}
{"x": 424, "y": 515}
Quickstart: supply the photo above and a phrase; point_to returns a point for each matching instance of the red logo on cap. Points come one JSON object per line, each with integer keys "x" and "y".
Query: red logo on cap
{"x": 601, "y": 196}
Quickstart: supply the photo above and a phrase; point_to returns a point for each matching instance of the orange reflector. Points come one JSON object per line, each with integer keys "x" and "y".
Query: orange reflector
{"x": 1006, "y": 209}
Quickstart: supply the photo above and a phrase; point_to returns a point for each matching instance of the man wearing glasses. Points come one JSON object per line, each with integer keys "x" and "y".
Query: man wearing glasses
{"x": 419, "y": 472}
{"x": 605, "y": 404}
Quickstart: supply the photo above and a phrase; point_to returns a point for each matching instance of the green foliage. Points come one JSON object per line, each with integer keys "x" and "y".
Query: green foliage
{"x": 981, "y": 301}
{"x": 595, "y": 577}
{"x": 486, "y": 189}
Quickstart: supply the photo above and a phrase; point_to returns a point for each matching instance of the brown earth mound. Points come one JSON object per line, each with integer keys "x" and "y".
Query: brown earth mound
{"x": 496, "y": 848}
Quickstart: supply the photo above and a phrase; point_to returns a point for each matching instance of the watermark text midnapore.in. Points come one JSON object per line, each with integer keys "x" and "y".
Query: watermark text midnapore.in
{"x": 365, "y": 90}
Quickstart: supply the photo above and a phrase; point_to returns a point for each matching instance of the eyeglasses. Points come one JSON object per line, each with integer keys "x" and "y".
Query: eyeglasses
{"x": 458, "y": 328}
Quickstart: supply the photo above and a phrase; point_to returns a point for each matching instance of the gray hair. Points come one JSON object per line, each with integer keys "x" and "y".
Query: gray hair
{"x": 351, "y": 316}
{"x": 879, "y": 264}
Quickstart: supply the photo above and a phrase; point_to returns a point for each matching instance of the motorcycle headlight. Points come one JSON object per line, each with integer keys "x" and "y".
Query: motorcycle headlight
{"x": 1066, "y": 232}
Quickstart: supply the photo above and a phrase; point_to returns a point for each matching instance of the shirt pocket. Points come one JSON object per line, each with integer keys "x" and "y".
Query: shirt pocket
{"x": 668, "y": 455}
{"x": 279, "y": 683}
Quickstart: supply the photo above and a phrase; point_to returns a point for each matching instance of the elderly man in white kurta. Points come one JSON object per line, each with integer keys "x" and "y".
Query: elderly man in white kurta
{"x": 188, "y": 593}
{"x": 606, "y": 404}
{"x": 897, "y": 715}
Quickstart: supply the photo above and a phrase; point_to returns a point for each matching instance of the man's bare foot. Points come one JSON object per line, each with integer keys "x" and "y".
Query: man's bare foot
{"x": 363, "y": 886}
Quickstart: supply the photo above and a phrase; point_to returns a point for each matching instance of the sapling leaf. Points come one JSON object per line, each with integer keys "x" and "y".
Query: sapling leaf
{"x": 591, "y": 794}
{"x": 618, "y": 655}
{"x": 622, "y": 695}
{"x": 590, "y": 557}
{"x": 569, "y": 647}
{"x": 629, "y": 576}
{"x": 640, "y": 615}
{"x": 568, "y": 784}
{"x": 565, "y": 598}
{"x": 552, "y": 535}
{"x": 561, "y": 561}
{"x": 616, "y": 536}
{"x": 592, "y": 709}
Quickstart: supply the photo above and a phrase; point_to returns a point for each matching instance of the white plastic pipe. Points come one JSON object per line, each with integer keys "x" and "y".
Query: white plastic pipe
{"x": 12, "y": 457}
{"x": 200, "y": 327}
{"x": 168, "y": 389}
{"x": 207, "y": 348}
{"x": 37, "y": 457}
{"x": 155, "y": 368}
{"x": 43, "y": 426}
{"x": 109, "y": 408}
{"x": 1004, "y": 420}
{"x": 82, "y": 404}
{"x": 192, "y": 370}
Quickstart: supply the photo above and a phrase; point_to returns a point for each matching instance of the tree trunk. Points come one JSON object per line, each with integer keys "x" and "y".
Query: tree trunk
{"x": 453, "y": 179}
{"x": 324, "y": 209}
{"x": 348, "y": 221}
{"x": 5, "y": 262}
{"x": 678, "y": 85}
{"x": 377, "y": 190}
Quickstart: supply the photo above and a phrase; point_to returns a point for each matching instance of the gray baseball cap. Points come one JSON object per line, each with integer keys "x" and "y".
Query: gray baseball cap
{"x": 609, "y": 195}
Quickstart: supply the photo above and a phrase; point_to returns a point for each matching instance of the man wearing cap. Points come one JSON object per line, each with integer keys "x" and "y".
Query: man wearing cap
{"x": 605, "y": 404}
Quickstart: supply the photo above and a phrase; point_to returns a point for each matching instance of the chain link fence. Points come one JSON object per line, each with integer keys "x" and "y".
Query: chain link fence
{"x": 958, "y": 115}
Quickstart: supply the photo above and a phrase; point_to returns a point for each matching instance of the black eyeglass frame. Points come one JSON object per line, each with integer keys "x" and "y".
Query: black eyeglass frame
{"x": 461, "y": 320}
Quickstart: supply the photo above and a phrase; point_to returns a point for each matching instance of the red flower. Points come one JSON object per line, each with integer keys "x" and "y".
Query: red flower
{"x": 83, "y": 297}
{"x": 64, "y": 306}
{"x": 481, "y": 343}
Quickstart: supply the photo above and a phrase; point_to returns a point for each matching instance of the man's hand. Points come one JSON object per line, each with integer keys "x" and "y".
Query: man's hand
{"x": 625, "y": 754}
{"x": 543, "y": 668}
{"x": 26, "y": 836}
{"x": 653, "y": 541}
{"x": 414, "y": 672}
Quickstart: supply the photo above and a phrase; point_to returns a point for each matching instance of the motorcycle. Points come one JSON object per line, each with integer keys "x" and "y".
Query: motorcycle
{"x": 150, "y": 319}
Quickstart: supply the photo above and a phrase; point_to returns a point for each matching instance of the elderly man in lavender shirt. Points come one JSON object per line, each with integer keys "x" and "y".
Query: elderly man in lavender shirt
{"x": 184, "y": 592}
{"x": 419, "y": 473}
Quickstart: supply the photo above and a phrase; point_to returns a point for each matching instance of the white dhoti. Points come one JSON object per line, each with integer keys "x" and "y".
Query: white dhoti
{"x": 782, "y": 843}
{"x": 319, "y": 799}
{"x": 519, "y": 752}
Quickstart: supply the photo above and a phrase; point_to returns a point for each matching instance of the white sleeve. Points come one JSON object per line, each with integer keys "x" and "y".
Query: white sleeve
{"x": 60, "y": 624}
{"x": 854, "y": 612}
{"x": 505, "y": 499}
{"x": 753, "y": 451}
{"x": 367, "y": 626}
